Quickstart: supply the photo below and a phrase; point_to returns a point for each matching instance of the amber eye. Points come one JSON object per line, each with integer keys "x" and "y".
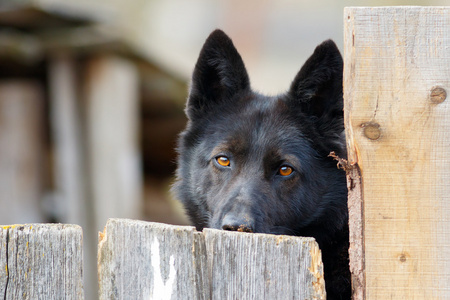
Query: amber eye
{"x": 285, "y": 171}
{"x": 223, "y": 161}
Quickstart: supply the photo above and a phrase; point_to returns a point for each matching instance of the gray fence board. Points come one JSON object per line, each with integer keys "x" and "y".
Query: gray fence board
{"x": 41, "y": 261}
{"x": 143, "y": 260}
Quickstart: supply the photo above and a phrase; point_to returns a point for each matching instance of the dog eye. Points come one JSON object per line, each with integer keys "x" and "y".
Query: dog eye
{"x": 285, "y": 170}
{"x": 223, "y": 161}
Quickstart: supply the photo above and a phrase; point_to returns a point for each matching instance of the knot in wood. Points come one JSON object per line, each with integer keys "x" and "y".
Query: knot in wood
{"x": 438, "y": 95}
{"x": 371, "y": 130}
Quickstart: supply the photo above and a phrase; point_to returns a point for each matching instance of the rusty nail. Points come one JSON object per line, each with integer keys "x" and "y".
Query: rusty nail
{"x": 438, "y": 95}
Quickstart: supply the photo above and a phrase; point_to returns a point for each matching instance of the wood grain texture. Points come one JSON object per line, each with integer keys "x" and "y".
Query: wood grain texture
{"x": 41, "y": 261}
{"x": 262, "y": 266}
{"x": 356, "y": 229}
{"x": 394, "y": 57}
{"x": 142, "y": 260}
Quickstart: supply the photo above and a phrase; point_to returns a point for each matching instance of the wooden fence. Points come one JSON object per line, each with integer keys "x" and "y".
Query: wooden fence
{"x": 397, "y": 74}
{"x": 396, "y": 81}
{"x": 41, "y": 261}
{"x": 143, "y": 260}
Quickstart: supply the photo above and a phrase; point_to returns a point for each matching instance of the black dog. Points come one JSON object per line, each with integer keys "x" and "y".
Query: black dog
{"x": 254, "y": 163}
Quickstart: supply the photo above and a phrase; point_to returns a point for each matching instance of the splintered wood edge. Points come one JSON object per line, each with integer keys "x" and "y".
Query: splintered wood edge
{"x": 316, "y": 270}
{"x": 102, "y": 239}
{"x": 353, "y": 170}
{"x": 356, "y": 229}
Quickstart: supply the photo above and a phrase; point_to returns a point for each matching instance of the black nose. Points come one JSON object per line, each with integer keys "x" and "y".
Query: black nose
{"x": 238, "y": 223}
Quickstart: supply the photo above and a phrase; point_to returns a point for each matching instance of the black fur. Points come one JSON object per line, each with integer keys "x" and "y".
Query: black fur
{"x": 260, "y": 134}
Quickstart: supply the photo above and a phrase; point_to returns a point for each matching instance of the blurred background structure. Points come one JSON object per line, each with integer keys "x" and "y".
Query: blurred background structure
{"x": 92, "y": 95}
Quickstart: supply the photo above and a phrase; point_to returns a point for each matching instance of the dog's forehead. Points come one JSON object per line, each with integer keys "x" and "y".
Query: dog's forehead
{"x": 260, "y": 124}
{"x": 267, "y": 118}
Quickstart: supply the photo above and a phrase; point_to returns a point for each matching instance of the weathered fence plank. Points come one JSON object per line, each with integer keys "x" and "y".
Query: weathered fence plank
{"x": 397, "y": 67}
{"x": 142, "y": 260}
{"x": 260, "y": 266}
{"x": 41, "y": 261}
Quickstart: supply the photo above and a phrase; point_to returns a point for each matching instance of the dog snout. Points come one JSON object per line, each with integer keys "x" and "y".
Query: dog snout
{"x": 242, "y": 223}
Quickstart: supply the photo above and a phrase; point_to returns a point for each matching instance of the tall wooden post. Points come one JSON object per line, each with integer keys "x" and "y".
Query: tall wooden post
{"x": 112, "y": 128}
{"x": 397, "y": 114}
{"x": 21, "y": 153}
{"x": 69, "y": 152}
{"x": 67, "y": 137}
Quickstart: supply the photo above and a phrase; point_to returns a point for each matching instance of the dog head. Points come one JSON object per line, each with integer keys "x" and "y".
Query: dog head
{"x": 250, "y": 162}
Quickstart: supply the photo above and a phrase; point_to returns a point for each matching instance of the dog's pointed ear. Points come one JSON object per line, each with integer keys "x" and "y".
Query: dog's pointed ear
{"x": 218, "y": 75}
{"x": 317, "y": 88}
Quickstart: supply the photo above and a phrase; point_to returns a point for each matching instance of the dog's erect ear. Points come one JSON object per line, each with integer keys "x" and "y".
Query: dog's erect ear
{"x": 218, "y": 75}
{"x": 317, "y": 88}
